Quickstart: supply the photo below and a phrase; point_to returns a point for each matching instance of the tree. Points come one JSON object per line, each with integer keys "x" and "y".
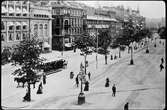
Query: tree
{"x": 26, "y": 54}
{"x": 162, "y": 32}
{"x": 104, "y": 41}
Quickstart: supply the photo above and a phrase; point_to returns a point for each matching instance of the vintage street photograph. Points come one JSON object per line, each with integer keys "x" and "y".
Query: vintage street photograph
{"x": 83, "y": 54}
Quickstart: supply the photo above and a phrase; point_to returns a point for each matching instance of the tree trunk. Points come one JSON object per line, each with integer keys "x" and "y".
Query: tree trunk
{"x": 105, "y": 58}
{"x": 29, "y": 92}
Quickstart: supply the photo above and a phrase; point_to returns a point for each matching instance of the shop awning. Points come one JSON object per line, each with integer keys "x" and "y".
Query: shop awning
{"x": 18, "y": 24}
{"x": 11, "y": 10}
{"x": 4, "y": 10}
{"x": 10, "y": 24}
{"x": 46, "y": 45}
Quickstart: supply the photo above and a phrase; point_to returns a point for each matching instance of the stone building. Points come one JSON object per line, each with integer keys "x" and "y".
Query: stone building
{"x": 67, "y": 23}
{"x": 100, "y": 19}
{"x": 16, "y": 18}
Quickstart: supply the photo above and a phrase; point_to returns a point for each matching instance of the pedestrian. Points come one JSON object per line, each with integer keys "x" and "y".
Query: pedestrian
{"x": 126, "y": 106}
{"x": 161, "y": 67}
{"x": 113, "y": 90}
{"x": 111, "y": 57}
{"x": 86, "y": 86}
{"x": 89, "y": 75}
{"x": 77, "y": 81}
{"x": 71, "y": 75}
{"x": 26, "y": 97}
{"x": 162, "y": 60}
{"x": 115, "y": 57}
{"x": 39, "y": 91}
{"x": 107, "y": 82}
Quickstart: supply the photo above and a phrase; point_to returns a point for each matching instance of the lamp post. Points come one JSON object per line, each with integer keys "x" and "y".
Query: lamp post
{"x": 81, "y": 97}
{"x": 63, "y": 34}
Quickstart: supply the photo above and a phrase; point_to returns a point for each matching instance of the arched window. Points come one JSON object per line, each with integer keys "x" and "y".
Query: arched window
{"x": 41, "y": 30}
{"x": 36, "y": 30}
{"x": 10, "y": 36}
{"x": 24, "y": 36}
{"x": 18, "y": 36}
{"x": 46, "y": 29}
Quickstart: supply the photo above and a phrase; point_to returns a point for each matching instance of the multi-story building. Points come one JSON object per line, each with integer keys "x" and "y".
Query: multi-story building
{"x": 100, "y": 19}
{"x": 67, "y": 23}
{"x": 16, "y": 18}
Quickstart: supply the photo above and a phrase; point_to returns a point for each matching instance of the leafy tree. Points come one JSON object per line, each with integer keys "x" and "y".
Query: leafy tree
{"x": 84, "y": 42}
{"x": 162, "y": 32}
{"x": 26, "y": 54}
{"x": 104, "y": 41}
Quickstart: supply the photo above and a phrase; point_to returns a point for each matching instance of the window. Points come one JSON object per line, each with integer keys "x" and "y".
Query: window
{"x": 18, "y": 27}
{"x": 10, "y": 36}
{"x": 24, "y": 27}
{"x": 18, "y": 36}
{"x": 24, "y": 36}
{"x": 45, "y": 27}
{"x": 41, "y": 30}
{"x": 2, "y": 25}
{"x": 2, "y": 37}
{"x": 36, "y": 30}
{"x": 41, "y": 26}
{"x": 11, "y": 28}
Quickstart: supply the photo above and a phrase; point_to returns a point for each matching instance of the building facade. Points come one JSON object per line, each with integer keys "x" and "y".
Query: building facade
{"x": 101, "y": 19}
{"x": 67, "y": 23}
{"x": 16, "y": 18}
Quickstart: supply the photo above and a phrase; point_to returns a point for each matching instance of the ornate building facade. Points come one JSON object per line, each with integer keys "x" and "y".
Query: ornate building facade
{"x": 67, "y": 23}
{"x": 16, "y": 18}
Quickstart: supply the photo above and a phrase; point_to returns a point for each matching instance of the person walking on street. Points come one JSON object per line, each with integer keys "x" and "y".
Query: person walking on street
{"x": 126, "y": 106}
{"x": 162, "y": 60}
{"x": 161, "y": 67}
{"x": 39, "y": 91}
{"x": 77, "y": 81}
{"x": 113, "y": 90}
{"x": 89, "y": 75}
{"x": 107, "y": 82}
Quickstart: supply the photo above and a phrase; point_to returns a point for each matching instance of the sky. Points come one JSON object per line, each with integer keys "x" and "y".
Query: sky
{"x": 148, "y": 9}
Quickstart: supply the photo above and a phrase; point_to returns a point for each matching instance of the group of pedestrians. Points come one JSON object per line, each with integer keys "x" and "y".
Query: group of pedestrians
{"x": 107, "y": 84}
{"x": 115, "y": 57}
{"x": 85, "y": 81}
{"x": 39, "y": 90}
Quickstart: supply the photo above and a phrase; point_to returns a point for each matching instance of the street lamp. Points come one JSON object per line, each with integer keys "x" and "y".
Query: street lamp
{"x": 63, "y": 34}
{"x": 81, "y": 97}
